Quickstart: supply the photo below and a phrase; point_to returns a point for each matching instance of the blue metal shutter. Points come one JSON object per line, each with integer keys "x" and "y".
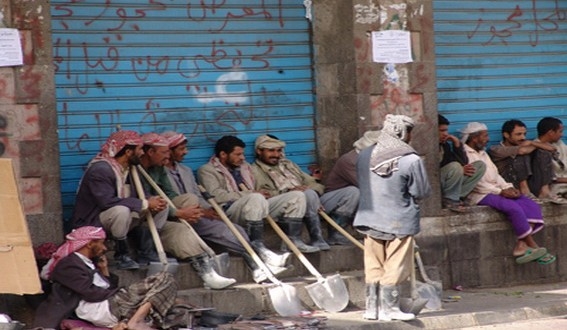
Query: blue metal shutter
{"x": 204, "y": 68}
{"x": 500, "y": 60}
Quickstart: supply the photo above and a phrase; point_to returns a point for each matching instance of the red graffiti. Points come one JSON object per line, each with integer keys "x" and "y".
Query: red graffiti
{"x": 542, "y": 21}
{"x": 203, "y": 11}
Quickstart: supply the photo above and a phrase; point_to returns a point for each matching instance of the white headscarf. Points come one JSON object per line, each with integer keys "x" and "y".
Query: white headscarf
{"x": 397, "y": 125}
{"x": 473, "y": 127}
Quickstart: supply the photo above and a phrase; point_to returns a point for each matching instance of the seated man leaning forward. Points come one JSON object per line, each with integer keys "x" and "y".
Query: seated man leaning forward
{"x": 105, "y": 198}
{"x": 277, "y": 175}
{"x": 457, "y": 176}
{"x": 228, "y": 177}
{"x": 178, "y": 239}
{"x": 209, "y": 225}
{"x": 512, "y": 155}
{"x": 83, "y": 284}
{"x": 492, "y": 190}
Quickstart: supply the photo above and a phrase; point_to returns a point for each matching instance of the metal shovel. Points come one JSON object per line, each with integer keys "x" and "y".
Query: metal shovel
{"x": 416, "y": 303}
{"x": 164, "y": 264}
{"x": 221, "y": 261}
{"x": 328, "y": 293}
{"x": 283, "y": 296}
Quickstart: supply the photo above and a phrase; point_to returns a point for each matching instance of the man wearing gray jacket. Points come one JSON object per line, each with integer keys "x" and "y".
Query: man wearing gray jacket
{"x": 392, "y": 179}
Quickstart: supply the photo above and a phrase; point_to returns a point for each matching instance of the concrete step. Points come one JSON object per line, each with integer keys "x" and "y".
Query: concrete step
{"x": 338, "y": 259}
{"x": 250, "y": 299}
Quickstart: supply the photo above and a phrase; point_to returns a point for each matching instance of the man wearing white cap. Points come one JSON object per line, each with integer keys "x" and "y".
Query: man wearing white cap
{"x": 209, "y": 226}
{"x": 276, "y": 174}
{"x": 225, "y": 175}
{"x": 492, "y": 190}
{"x": 176, "y": 237}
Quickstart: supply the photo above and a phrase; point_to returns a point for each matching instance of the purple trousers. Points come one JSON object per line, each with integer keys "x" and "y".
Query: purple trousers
{"x": 521, "y": 212}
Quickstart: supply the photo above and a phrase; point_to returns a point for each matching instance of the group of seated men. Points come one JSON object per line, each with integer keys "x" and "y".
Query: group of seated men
{"x": 247, "y": 193}
{"x": 511, "y": 177}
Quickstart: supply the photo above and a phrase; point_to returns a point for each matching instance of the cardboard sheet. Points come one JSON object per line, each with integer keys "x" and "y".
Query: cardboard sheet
{"x": 18, "y": 270}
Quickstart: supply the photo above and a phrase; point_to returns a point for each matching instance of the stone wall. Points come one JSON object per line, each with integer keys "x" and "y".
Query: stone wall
{"x": 354, "y": 94}
{"x": 28, "y": 119}
{"x": 475, "y": 249}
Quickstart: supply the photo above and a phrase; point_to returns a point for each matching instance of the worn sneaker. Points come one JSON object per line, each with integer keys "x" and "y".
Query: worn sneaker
{"x": 125, "y": 262}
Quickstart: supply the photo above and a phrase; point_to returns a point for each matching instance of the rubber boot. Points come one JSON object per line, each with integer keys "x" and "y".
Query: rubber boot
{"x": 203, "y": 265}
{"x": 335, "y": 237}
{"x": 390, "y": 305}
{"x": 123, "y": 260}
{"x": 255, "y": 231}
{"x": 314, "y": 228}
{"x": 371, "y": 312}
{"x": 146, "y": 252}
{"x": 258, "y": 275}
{"x": 292, "y": 228}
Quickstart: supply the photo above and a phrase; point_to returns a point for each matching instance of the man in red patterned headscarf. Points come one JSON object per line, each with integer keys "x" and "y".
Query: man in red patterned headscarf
{"x": 105, "y": 199}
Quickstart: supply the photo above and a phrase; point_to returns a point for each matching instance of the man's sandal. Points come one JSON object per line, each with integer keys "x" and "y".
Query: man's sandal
{"x": 546, "y": 259}
{"x": 531, "y": 255}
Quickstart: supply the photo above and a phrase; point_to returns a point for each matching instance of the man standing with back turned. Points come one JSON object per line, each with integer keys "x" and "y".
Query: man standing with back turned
{"x": 392, "y": 179}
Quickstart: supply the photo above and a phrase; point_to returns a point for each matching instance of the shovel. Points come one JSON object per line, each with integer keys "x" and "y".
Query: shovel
{"x": 328, "y": 293}
{"x": 283, "y": 296}
{"x": 164, "y": 264}
{"x": 222, "y": 261}
{"x": 340, "y": 229}
{"x": 430, "y": 289}
{"x": 414, "y": 304}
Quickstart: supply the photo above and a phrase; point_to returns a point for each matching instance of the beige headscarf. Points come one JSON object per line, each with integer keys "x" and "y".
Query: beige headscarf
{"x": 369, "y": 138}
{"x": 267, "y": 142}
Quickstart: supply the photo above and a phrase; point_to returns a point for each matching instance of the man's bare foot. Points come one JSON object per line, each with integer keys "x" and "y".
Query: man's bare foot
{"x": 120, "y": 326}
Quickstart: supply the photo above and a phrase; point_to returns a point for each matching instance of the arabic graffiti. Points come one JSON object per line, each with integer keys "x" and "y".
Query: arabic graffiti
{"x": 207, "y": 72}
{"x": 534, "y": 19}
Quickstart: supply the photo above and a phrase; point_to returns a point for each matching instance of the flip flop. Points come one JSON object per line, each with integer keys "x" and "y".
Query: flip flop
{"x": 531, "y": 255}
{"x": 546, "y": 259}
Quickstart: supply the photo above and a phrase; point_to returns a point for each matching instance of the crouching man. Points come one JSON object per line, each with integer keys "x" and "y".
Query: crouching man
{"x": 392, "y": 179}
{"x": 83, "y": 284}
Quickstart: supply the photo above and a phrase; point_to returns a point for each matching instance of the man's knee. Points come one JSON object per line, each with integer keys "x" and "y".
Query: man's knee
{"x": 453, "y": 169}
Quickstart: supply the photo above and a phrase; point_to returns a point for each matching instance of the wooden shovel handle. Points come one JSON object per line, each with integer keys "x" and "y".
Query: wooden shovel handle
{"x": 289, "y": 243}
{"x": 149, "y": 217}
{"x": 162, "y": 194}
{"x": 340, "y": 229}
{"x": 239, "y": 236}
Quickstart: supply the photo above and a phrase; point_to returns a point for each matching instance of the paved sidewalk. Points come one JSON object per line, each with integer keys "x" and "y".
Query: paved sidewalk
{"x": 475, "y": 307}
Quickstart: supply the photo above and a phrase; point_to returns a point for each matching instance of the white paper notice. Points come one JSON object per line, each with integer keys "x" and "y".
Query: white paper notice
{"x": 10, "y": 48}
{"x": 391, "y": 46}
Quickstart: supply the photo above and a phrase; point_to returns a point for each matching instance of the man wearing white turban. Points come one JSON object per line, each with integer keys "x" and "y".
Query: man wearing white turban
{"x": 492, "y": 190}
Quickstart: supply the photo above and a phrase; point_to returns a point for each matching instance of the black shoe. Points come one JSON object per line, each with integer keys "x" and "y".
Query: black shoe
{"x": 125, "y": 262}
{"x": 144, "y": 259}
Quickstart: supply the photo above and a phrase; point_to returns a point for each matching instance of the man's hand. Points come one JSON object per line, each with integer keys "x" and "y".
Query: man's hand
{"x": 468, "y": 170}
{"x": 264, "y": 193}
{"x": 156, "y": 204}
{"x": 211, "y": 214}
{"x": 191, "y": 214}
{"x": 102, "y": 265}
{"x": 511, "y": 193}
{"x": 455, "y": 140}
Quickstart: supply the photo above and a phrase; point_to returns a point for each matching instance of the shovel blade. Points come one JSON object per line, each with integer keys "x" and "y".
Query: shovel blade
{"x": 156, "y": 267}
{"x": 221, "y": 264}
{"x": 414, "y": 306}
{"x": 330, "y": 294}
{"x": 284, "y": 299}
{"x": 427, "y": 291}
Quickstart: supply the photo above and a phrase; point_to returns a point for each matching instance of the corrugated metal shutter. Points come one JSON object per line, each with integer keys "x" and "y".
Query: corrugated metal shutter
{"x": 205, "y": 68}
{"x": 499, "y": 60}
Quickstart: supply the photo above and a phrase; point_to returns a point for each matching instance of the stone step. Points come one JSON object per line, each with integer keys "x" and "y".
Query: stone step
{"x": 338, "y": 259}
{"x": 251, "y": 299}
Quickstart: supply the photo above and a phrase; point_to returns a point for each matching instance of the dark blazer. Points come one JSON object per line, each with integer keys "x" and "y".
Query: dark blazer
{"x": 451, "y": 154}
{"x": 98, "y": 193}
{"x": 72, "y": 282}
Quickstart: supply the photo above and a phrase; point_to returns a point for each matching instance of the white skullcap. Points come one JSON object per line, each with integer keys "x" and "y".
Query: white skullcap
{"x": 472, "y": 127}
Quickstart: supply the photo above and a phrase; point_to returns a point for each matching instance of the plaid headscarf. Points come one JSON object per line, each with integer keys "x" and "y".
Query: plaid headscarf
{"x": 75, "y": 240}
{"x": 155, "y": 140}
{"x": 174, "y": 139}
